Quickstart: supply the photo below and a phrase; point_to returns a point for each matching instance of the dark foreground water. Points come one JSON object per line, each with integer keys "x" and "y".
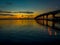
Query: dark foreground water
{"x": 27, "y": 31}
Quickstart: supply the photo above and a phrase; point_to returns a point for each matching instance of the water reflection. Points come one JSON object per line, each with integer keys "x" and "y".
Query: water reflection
{"x": 26, "y": 31}
{"x": 53, "y": 28}
{"x": 51, "y": 32}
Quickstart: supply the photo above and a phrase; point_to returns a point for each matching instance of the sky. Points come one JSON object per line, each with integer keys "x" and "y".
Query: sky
{"x": 36, "y": 6}
{"x": 28, "y": 5}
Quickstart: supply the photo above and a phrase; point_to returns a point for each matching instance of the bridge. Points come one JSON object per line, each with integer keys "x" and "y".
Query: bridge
{"x": 53, "y": 16}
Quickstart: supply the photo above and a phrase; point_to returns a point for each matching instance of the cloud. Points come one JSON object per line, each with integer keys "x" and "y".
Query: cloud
{"x": 8, "y": 3}
{"x": 6, "y": 15}
{"x": 26, "y": 12}
{"x": 4, "y": 5}
{"x": 16, "y": 12}
{"x": 10, "y": 13}
{"x": 5, "y": 11}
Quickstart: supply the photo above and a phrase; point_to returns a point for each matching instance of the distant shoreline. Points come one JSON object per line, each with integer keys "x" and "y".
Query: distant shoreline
{"x": 17, "y": 19}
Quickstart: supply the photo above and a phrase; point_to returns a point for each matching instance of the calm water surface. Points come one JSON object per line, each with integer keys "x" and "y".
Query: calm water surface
{"x": 26, "y": 31}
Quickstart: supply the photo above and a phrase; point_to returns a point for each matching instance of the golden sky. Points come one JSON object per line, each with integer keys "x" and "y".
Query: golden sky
{"x": 25, "y": 15}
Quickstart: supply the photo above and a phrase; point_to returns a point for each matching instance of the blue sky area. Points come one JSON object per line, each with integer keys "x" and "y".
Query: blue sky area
{"x": 29, "y": 5}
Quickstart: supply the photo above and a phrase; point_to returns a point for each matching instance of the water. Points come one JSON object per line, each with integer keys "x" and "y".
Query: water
{"x": 26, "y": 31}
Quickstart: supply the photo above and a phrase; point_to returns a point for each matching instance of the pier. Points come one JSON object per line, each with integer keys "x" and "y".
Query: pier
{"x": 46, "y": 18}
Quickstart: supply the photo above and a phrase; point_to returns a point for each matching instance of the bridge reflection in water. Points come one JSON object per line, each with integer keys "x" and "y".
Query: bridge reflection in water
{"x": 51, "y": 20}
{"x": 51, "y": 30}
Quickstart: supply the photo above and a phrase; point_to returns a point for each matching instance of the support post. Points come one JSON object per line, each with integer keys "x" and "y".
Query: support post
{"x": 43, "y": 20}
{"x": 47, "y": 20}
{"x": 53, "y": 23}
